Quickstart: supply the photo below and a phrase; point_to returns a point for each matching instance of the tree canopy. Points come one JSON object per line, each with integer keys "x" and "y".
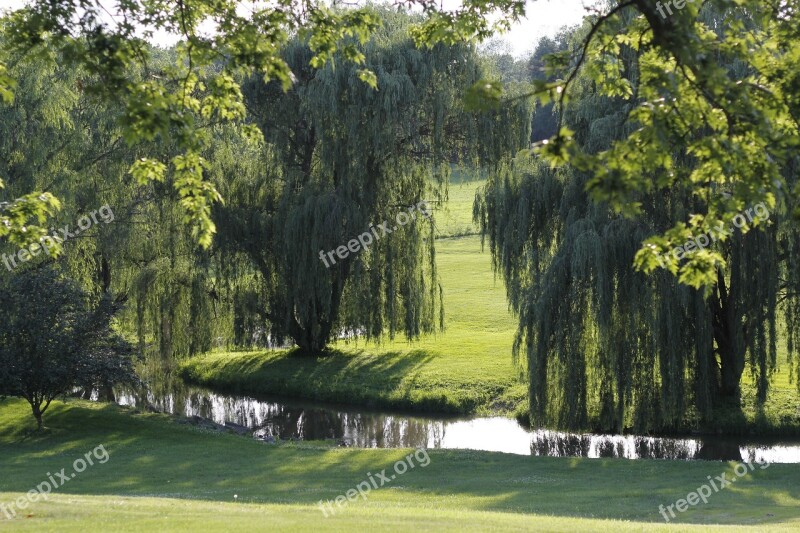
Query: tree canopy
{"x": 606, "y": 346}
{"x": 176, "y": 102}
{"x": 714, "y": 82}
{"x": 341, "y": 157}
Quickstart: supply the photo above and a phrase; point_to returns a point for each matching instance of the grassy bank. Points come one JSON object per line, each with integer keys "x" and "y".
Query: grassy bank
{"x": 165, "y": 476}
{"x": 780, "y": 414}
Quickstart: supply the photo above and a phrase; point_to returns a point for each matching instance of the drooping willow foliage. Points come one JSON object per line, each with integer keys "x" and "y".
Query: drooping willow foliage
{"x": 58, "y": 137}
{"x": 608, "y": 347}
{"x": 340, "y": 157}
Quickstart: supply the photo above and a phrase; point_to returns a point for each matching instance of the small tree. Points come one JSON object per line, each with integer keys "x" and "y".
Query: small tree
{"x": 52, "y": 340}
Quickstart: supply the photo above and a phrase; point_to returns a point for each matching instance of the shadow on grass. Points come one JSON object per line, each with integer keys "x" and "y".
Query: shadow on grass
{"x": 152, "y": 455}
{"x": 387, "y": 379}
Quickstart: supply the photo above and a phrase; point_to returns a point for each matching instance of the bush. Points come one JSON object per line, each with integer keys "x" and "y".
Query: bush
{"x": 52, "y": 340}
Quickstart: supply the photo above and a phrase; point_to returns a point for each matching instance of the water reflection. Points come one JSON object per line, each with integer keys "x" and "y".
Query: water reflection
{"x": 557, "y": 444}
{"x": 293, "y": 420}
{"x": 286, "y": 420}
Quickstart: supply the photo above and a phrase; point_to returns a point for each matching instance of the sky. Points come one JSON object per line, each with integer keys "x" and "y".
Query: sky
{"x": 544, "y": 17}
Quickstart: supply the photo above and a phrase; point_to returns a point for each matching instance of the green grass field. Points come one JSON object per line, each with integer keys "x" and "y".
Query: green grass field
{"x": 455, "y": 220}
{"x": 165, "y": 476}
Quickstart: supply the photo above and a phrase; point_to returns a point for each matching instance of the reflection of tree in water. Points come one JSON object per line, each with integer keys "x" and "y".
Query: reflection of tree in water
{"x": 610, "y": 448}
{"x": 165, "y": 392}
{"x": 356, "y": 429}
{"x": 311, "y": 423}
{"x": 720, "y": 450}
{"x": 161, "y": 389}
{"x": 384, "y": 431}
{"x": 651, "y": 448}
{"x": 551, "y": 444}
{"x": 297, "y": 423}
{"x": 555, "y": 444}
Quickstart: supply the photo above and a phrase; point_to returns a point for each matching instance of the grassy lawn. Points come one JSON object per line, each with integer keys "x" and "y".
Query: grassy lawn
{"x": 165, "y": 476}
{"x": 780, "y": 414}
{"x": 456, "y": 217}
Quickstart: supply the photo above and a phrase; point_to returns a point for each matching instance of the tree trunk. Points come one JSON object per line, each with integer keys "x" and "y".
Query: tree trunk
{"x": 310, "y": 339}
{"x": 731, "y": 369}
{"x": 728, "y": 326}
{"x": 314, "y": 337}
{"x": 37, "y": 414}
{"x": 107, "y": 393}
{"x": 105, "y": 274}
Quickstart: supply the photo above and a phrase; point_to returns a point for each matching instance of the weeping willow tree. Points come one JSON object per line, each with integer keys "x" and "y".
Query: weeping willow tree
{"x": 612, "y": 348}
{"x": 57, "y": 137}
{"x": 177, "y": 303}
{"x": 339, "y": 158}
{"x": 164, "y": 104}
{"x": 61, "y": 138}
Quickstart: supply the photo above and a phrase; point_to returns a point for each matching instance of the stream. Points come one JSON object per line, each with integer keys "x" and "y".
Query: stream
{"x": 271, "y": 419}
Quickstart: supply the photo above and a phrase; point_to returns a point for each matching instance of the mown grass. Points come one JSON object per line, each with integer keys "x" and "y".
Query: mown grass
{"x": 455, "y": 220}
{"x": 166, "y": 476}
{"x": 779, "y": 415}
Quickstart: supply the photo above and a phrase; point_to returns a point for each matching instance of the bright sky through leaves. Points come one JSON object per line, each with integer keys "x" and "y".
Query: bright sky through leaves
{"x": 545, "y": 17}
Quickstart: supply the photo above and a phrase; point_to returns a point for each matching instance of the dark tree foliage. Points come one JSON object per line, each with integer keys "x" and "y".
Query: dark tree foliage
{"x": 165, "y": 105}
{"x": 607, "y": 346}
{"x": 52, "y": 340}
{"x": 545, "y": 119}
{"x": 340, "y": 156}
{"x": 59, "y": 136}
